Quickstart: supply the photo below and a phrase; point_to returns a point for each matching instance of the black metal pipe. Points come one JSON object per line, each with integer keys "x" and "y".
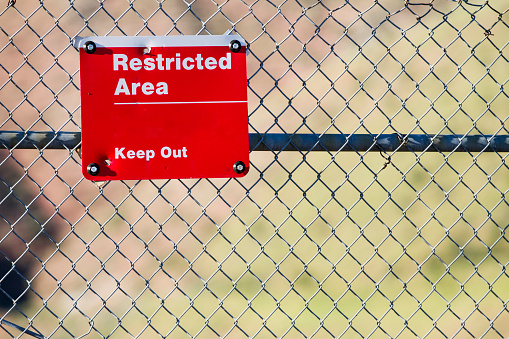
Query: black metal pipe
{"x": 47, "y": 140}
{"x": 382, "y": 142}
{"x": 299, "y": 142}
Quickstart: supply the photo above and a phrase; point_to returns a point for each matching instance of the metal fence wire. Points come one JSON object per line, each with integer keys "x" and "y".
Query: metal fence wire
{"x": 375, "y": 206}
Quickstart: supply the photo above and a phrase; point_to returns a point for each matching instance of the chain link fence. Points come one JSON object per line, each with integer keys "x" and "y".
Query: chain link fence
{"x": 397, "y": 231}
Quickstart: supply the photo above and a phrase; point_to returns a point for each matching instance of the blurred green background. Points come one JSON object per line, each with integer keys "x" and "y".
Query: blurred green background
{"x": 308, "y": 244}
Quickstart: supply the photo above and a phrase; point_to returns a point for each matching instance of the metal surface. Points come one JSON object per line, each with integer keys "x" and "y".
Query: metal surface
{"x": 277, "y": 142}
{"x": 23, "y": 330}
{"x": 182, "y": 93}
{"x": 376, "y": 200}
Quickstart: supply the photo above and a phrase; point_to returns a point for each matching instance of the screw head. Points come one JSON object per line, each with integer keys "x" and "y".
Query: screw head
{"x": 235, "y": 46}
{"x": 93, "y": 169}
{"x": 90, "y": 47}
{"x": 239, "y": 167}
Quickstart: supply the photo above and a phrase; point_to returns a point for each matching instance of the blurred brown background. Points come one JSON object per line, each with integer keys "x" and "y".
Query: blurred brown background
{"x": 308, "y": 244}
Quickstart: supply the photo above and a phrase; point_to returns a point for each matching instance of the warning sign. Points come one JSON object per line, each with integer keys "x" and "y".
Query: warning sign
{"x": 164, "y": 107}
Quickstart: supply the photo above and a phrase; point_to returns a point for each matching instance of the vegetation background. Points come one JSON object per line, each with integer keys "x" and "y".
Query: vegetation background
{"x": 308, "y": 244}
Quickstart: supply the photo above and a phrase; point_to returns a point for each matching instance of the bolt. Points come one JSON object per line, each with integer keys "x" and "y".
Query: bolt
{"x": 235, "y": 46}
{"x": 90, "y": 47}
{"x": 239, "y": 167}
{"x": 93, "y": 169}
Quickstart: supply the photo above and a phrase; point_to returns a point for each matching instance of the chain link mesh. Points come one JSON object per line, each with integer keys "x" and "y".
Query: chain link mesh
{"x": 324, "y": 244}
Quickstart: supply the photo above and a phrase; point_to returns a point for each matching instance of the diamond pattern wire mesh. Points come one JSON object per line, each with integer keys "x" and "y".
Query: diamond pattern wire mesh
{"x": 309, "y": 244}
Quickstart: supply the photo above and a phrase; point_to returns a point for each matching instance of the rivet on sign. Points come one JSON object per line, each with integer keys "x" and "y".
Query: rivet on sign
{"x": 90, "y": 47}
{"x": 239, "y": 167}
{"x": 235, "y": 46}
{"x": 93, "y": 169}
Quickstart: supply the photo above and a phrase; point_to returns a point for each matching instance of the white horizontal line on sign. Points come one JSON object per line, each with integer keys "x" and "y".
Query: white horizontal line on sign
{"x": 178, "y": 102}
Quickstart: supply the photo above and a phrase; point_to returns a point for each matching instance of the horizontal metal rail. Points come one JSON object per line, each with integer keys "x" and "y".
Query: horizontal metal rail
{"x": 298, "y": 142}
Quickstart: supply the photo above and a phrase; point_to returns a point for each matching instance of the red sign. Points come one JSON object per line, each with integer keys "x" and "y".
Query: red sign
{"x": 163, "y": 107}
